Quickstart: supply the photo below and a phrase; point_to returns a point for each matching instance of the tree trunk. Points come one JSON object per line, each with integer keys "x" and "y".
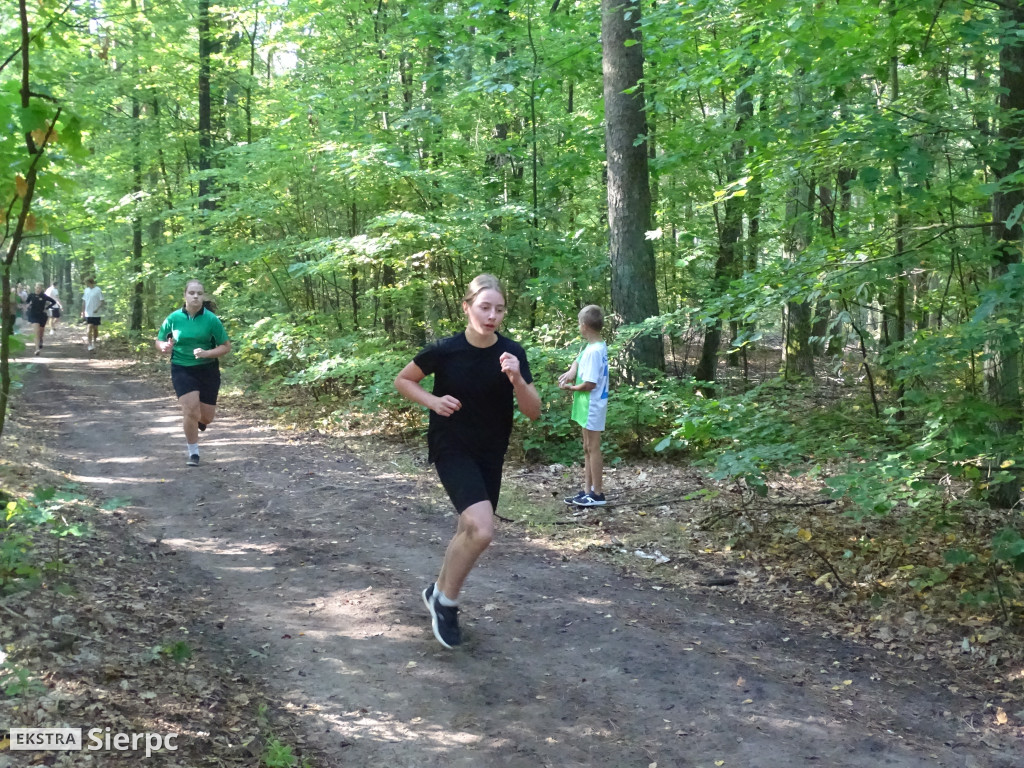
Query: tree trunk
{"x": 797, "y": 352}
{"x": 35, "y": 152}
{"x": 138, "y": 286}
{"x": 1002, "y": 369}
{"x": 634, "y": 286}
{"x": 206, "y": 204}
{"x": 729, "y": 262}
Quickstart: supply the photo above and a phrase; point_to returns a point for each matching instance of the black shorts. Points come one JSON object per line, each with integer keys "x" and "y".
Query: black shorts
{"x": 204, "y": 379}
{"x": 37, "y": 319}
{"x": 92, "y": 321}
{"x": 54, "y": 312}
{"x": 470, "y": 479}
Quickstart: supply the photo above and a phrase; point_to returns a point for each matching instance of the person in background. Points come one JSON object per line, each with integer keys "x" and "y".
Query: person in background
{"x": 15, "y": 301}
{"x": 22, "y": 299}
{"x": 54, "y": 310}
{"x": 478, "y": 376}
{"x": 92, "y": 310}
{"x": 195, "y": 339}
{"x": 36, "y": 308}
{"x": 587, "y": 379}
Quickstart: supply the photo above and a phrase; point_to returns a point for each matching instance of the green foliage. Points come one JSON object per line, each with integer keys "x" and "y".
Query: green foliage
{"x": 17, "y": 681}
{"x": 179, "y": 652}
{"x": 279, "y": 755}
{"x": 1008, "y": 547}
{"x": 43, "y": 511}
{"x": 276, "y": 754}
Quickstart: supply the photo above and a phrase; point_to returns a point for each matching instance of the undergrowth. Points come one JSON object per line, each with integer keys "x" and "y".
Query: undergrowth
{"x": 918, "y": 471}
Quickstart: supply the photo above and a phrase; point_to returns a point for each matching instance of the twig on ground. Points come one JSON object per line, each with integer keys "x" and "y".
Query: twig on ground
{"x": 825, "y": 560}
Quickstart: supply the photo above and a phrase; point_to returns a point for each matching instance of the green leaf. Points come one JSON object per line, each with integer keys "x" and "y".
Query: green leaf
{"x": 1014, "y": 216}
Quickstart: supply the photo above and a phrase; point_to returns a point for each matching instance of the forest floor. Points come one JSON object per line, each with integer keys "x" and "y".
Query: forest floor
{"x": 267, "y": 604}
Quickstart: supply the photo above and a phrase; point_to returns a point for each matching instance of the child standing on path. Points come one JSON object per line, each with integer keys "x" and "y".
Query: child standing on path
{"x": 587, "y": 379}
{"x": 478, "y": 375}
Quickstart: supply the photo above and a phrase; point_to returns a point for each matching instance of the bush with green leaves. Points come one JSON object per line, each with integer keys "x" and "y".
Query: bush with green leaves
{"x": 44, "y": 511}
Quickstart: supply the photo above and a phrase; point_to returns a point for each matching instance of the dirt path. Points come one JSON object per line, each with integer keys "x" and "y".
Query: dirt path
{"x": 317, "y": 560}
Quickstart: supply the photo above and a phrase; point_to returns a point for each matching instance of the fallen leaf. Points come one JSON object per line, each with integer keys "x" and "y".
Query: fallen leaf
{"x": 1001, "y": 716}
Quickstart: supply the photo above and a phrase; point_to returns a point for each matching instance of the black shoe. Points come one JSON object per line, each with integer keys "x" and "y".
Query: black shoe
{"x": 577, "y": 499}
{"x": 444, "y": 619}
{"x": 193, "y": 460}
{"x": 202, "y": 427}
{"x": 592, "y": 500}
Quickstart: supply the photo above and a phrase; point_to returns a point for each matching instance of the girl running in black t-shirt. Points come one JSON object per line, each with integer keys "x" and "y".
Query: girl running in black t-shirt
{"x": 478, "y": 376}
{"x": 35, "y": 312}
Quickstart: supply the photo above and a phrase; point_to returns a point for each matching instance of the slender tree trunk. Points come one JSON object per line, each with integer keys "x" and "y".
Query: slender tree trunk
{"x": 797, "y": 351}
{"x": 23, "y": 222}
{"x": 206, "y": 204}
{"x": 899, "y": 267}
{"x": 138, "y": 286}
{"x": 729, "y": 262}
{"x": 634, "y": 286}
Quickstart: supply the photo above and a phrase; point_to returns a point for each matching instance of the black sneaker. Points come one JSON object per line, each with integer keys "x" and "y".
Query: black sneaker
{"x": 577, "y": 499}
{"x": 193, "y": 460}
{"x": 592, "y": 500}
{"x": 443, "y": 619}
{"x": 202, "y": 427}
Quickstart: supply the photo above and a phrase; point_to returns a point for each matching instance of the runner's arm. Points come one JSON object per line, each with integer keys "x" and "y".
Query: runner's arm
{"x": 407, "y": 382}
{"x": 219, "y": 351}
{"x": 526, "y": 394}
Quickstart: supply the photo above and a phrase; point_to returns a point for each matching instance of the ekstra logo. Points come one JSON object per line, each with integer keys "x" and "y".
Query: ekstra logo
{"x": 97, "y": 739}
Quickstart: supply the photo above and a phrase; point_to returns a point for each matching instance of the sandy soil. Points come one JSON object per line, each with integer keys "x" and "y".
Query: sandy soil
{"x": 315, "y": 560}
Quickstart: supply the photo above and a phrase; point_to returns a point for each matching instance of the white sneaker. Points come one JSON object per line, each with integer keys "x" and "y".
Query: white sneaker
{"x": 90, "y": 347}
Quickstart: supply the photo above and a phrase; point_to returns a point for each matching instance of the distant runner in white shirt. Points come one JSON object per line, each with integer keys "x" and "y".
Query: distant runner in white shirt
{"x": 92, "y": 309}
{"x": 54, "y": 310}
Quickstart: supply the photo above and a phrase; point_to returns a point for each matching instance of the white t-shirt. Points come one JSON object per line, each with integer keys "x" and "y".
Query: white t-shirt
{"x": 589, "y": 409}
{"x": 92, "y": 298}
{"x": 53, "y": 294}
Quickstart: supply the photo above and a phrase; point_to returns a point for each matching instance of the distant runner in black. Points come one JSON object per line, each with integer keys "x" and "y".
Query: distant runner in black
{"x": 36, "y": 307}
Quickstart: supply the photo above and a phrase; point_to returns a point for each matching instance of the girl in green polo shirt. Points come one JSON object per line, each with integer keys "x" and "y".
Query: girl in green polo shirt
{"x": 195, "y": 338}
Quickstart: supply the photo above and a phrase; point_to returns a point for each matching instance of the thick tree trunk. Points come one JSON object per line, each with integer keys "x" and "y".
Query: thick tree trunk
{"x": 634, "y": 286}
{"x": 1002, "y": 369}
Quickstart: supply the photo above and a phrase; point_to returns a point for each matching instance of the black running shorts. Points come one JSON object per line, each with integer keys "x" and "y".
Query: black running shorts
{"x": 37, "y": 319}
{"x": 470, "y": 479}
{"x": 204, "y": 379}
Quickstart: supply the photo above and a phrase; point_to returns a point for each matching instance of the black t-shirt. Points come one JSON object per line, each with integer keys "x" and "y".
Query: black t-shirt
{"x": 37, "y": 304}
{"x": 474, "y": 376}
